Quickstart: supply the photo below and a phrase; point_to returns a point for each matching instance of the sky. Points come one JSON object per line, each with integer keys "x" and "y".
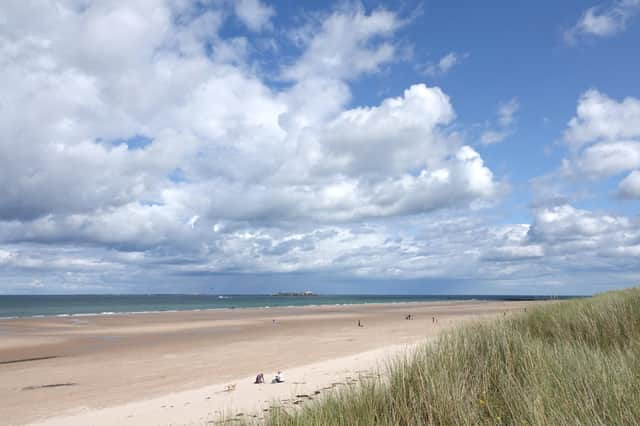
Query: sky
{"x": 412, "y": 147}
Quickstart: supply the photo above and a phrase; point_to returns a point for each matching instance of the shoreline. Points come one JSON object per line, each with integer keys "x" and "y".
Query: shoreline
{"x": 171, "y": 311}
{"x": 446, "y": 298}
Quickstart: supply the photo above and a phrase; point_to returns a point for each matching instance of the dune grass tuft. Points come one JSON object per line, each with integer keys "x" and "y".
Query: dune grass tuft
{"x": 569, "y": 363}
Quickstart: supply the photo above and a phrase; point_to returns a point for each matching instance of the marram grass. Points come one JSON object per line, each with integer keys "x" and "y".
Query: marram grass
{"x": 569, "y": 363}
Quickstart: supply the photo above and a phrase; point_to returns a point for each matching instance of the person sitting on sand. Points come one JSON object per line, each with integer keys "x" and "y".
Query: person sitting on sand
{"x": 259, "y": 378}
{"x": 279, "y": 378}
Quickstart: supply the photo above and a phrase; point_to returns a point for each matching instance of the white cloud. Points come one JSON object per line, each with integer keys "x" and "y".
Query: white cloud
{"x": 606, "y": 159}
{"x": 600, "y": 118}
{"x": 510, "y": 244}
{"x": 60, "y": 155}
{"x": 435, "y": 246}
{"x": 347, "y": 43}
{"x": 566, "y": 223}
{"x": 506, "y": 119}
{"x": 605, "y": 139}
{"x": 629, "y": 187}
{"x": 161, "y": 144}
{"x": 400, "y": 135}
{"x": 237, "y": 175}
{"x": 445, "y": 64}
{"x": 254, "y": 14}
{"x": 581, "y": 243}
{"x": 603, "y": 21}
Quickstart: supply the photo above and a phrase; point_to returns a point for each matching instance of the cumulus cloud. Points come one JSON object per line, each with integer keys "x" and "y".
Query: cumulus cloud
{"x": 604, "y": 138}
{"x": 505, "y": 121}
{"x": 566, "y": 223}
{"x": 601, "y": 118}
{"x": 609, "y": 158}
{"x": 400, "y": 135}
{"x": 161, "y": 144}
{"x": 509, "y": 243}
{"x": 159, "y": 153}
{"x": 603, "y": 21}
{"x": 347, "y": 43}
{"x": 582, "y": 242}
{"x": 61, "y": 157}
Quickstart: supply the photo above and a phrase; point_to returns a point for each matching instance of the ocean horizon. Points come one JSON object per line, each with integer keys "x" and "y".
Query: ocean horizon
{"x": 20, "y": 306}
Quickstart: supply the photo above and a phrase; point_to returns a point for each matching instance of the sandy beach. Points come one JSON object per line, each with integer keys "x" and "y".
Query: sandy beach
{"x": 175, "y": 367}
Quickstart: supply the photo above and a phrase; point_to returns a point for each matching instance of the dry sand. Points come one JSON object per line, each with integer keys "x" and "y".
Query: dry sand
{"x": 173, "y": 367}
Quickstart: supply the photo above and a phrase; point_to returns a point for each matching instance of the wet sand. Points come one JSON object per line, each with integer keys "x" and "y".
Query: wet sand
{"x": 65, "y": 370}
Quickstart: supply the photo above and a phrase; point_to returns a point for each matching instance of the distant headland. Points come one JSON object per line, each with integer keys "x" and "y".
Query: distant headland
{"x": 303, "y": 293}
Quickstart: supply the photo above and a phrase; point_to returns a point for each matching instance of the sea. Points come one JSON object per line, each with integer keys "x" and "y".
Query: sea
{"x": 19, "y": 306}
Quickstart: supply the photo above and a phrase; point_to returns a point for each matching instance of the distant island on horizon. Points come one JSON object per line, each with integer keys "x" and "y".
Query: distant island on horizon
{"x": 295, "y": 293}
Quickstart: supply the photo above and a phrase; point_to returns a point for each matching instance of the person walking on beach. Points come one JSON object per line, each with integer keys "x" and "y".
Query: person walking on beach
{"x": 360, "y": 324}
